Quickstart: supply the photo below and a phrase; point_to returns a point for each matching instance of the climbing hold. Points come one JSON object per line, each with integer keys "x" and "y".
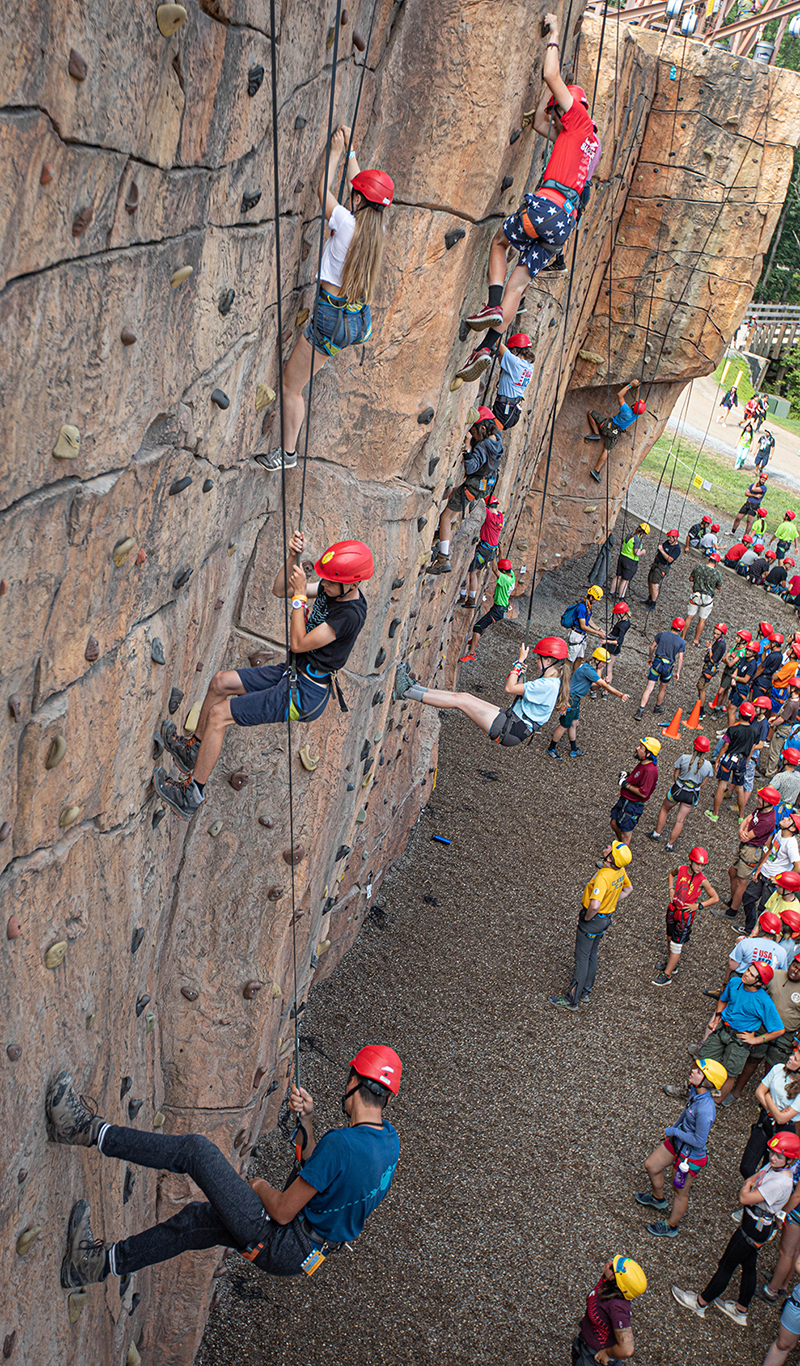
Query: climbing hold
{"x": 208, "y": 485}
{"x": 122, "y": 550}
{"x": 221, "y": 399}
{"x": 55, "y": 954}
{"x": 323, "y": 947}
{"x": 552, "y": 322}
{"x": 81, "y": 223}
{"x": 453, "y": 236}
{"x": 260, "y": 1074}
{"x": 379, "y": 658}
{"x": 368, "y": 764}
{"x": 128, "y": 1185}
{"x": 378, "y": 698}
{"x": 69, "y": 816}
{"x": 158, "y": 746}
{"x": 249, "y": 201}
{"x": 239, "y": 779}
{"x": 254, "y": 78}
{"x": 5, "y": 831}
{"x": 342, "y": 852}
{"x": 307, "y": 760}
{"x": 141, "y": 556}
{"x": 150, "y": 1021}
{"x": 169, "y": 19}
{"x": 132, "y": 198}
{"x": 507, "y": 182}
{"x": 472, "y": 415}
{"x": 92, "y": 651}
{"x": 233, "y": 547}
{"x": 178, "y": 276}
{"x": 135, "y": 1298}
{"x": 13, "y": 928}
{"x": 75, "y": 1303}
{"x": 358, "y": 41}
{"x": 141, "y": 1003}
{"x": 127, "y": 337}
{"x": 47, "y": 174}
{"x": 259, "y": 658}
{"x": 421, "y": 523}
{"x": 175, "y": 699}
{"x": 10, "y": 1338}
{"x": 517, "y": 133}
{"x": 393, "y": 627}
{"x": 302, "y": 317}
{"x": 351, "y": 787}
{"x": 215, "y": 828}
{"x": 77, "y": 66}
{"x": 158, "y": 1120}
{"x": 134, "y": 1106}
{"x": 157, "y": 652}
{"x": 190, "y": 724}
{"x": 90, "y": 1019}
{"x": 294, "y": 855}
{"x": 274, "y": 893}
{"x": 133, "y": 1358}
{"x": 455, "y": 384}
{"x": 343, "y": 18}
{"x": 264, "y": 396}
{"x": 240, "y": 1138}
{"x": 276, "y": 991}
{"x": 191, "y": 993}
{"x": 329, "y": 40}
{"x": 182, "y": 578}
{"x": 300, "y": 122}
{"x": 299, "y": 186}
{"x": 27, "y": 1239}
{"x": 251, "y": 989}
{"x": 68, "y": 445}
{"x": 362, "y": 816}
{"x": 136, "y": 938}
{"x": 266, "y": 822}
{"x": 14, "y": 1052}
{"x": 425, "y": 417}
{"x": 365, "y": 748}
{"x": 178, "y": 485}
{"x": 158, "y": 817}
{"x": 432, "y": 464}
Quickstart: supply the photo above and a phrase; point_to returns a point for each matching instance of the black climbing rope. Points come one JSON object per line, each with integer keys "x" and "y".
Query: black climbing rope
{"x": 358, "y": 101}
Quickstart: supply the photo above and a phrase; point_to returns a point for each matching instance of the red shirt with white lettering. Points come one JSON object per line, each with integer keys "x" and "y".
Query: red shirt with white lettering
{"x": 574, "y": 150}
{"x": 492, "y": 526}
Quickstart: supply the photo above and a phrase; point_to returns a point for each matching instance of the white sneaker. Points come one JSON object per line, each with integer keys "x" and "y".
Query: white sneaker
{"x": 729, "y": 1307}
{"x": 688, "y": 1299}
{"x": 737, "y": 1216}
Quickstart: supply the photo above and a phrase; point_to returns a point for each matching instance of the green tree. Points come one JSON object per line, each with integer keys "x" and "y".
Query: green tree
{"x": 780, "y": 277}
{"x": 791, "y": 386}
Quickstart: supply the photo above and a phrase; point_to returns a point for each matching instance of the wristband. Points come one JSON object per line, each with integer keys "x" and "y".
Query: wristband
{"x": 552, "y": 44}
{"x": 350, "y": 154}
{"x": 298, "y": 602}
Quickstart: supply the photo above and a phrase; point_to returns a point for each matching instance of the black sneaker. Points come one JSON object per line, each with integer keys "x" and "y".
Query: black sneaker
{"x": 555, "y": 266}
{"x": 657, "y": 710}
{"x": 85, "y": 1259}
{"x": 595, "y": 476}
{"x": 184, "y": 747}
{"x": 554, "y": 754}
{"x": 179, "y": 793}
{"x": 70, "y": 1118}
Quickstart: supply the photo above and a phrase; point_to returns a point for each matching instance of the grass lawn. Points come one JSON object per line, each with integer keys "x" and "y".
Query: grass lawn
{"x": 745, "y": 391}
{"x": 728, "y": 486}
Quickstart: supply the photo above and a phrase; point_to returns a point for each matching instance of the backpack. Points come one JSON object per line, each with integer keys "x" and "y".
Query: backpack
{"x": 571, "y": 617}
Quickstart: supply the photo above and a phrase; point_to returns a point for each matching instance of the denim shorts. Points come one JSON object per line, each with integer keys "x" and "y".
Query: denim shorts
{"x": 266, "y": 696}
{"x": 790, "y": 1315}
{"x": 554, "y": 229}
{"x": 337, "y": 325}
{"x": 660, "y": 670}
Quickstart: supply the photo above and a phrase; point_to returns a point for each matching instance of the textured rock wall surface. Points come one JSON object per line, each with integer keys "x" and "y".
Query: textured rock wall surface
{"x": 160, "y": 139}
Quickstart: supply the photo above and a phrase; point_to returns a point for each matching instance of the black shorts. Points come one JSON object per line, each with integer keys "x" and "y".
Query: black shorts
{"x": 507, "y": 411}
{"x": 495, "y": 613}
{"x": 731, "y": 770}
{"x": 508, "y": 729}
{"x": 749, "y": 509}
{"x": 626, "y": 568}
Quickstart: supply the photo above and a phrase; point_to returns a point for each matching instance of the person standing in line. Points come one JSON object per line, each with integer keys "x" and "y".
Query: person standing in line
{"x": 620, "y": 627}
{"x": 601, "y": 896}
{"x": 782, "y": 723}
{"x": 787, "y": 782}
{"x": 730, "y": 662}
{"x": 706, "y": 579}
{"x": 686, "y": 886}
{"x": 667, "y": 648}
{"x": 586, "y": 678}
{"x": 629, "y": 556}
{"x": 789, "y": 1330}
{"x": 711, "y": 662}
{"x": 577, "y": 620}
{"x": 755, "y": 836}
{"x": 635, "y": 788}
{"x": 782, "y": 858}
{"x": 605, "y": 1334}
{"x": 684, "y": 1148}
{"x": 666, "y": 555}
{"x": 692, "y": 772}
{"x": 735, "y": 748}
{"x": 744, "y": 1017}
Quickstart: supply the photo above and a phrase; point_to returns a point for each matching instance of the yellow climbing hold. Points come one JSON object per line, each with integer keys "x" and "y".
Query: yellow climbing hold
{"x": 592, "y": 356}
{"x": 133, "y": 1358}
{"x": 76, "y": 1302}
{"x": 158, "y": 1120}
{"x": 276, "y": 991}
{"x": 323, "y": 947}
{"x": 169, "y": 19}
{"x": 26, "y": 1240}
{"x": 58, "y": 748}
{"x": 455, "y": 385}
{"x": 122, "y": 550}
{"x": 185, "y": 271}
{"x": 69, "y": 816}
{"x": 302, "y": 317}
{"x": 150, "y": 1021}
{"x": 55, "y": 954}
{"x": 68, "y": 444}
{"x": 90, "y": 1019}
{"x": 190, "y": 724}
{"x": 232, "y": 548}
{"x": 472, "y": 415}
{"x": 307, "y": 760}
{"x": 368, "y": 780}
{"x": 264, "y": 396}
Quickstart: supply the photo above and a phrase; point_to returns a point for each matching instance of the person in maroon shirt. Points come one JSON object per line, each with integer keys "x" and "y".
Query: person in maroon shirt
{"x": 635, "y": 788}
{"x": 755, "y": 833}
{"x": 605, "y": 1334}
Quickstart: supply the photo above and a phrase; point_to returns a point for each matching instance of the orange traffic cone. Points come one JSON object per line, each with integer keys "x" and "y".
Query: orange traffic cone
{"x": 673, "y": 730}
{"x": 716, "y": 695}
{"x": 694, "y": 720}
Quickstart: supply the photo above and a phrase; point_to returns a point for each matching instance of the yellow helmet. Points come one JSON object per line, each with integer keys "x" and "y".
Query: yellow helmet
{"x": 620, "y": 854}
{"x": 713, "y": 1072}
{"x": 601, "y": 654}
{"x": 652, "y": 745}
{"x": 645, "y": 527}
{"x": 594, "y": 592}
{"x": 629, "y": 1277}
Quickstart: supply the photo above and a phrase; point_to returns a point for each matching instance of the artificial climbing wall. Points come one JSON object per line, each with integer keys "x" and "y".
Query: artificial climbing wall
{"x": 139, "y": 540}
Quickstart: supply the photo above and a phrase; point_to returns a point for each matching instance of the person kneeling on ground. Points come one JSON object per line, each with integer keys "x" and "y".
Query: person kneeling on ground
{"x": 320, "y": 644}
{"x": 686, "y": 886}
{"x": 684, "y": 1148}
{"x": 585, "y": 679}
{"x": 605, "y": 1334}
{"x": 691, "y": 774}
{"x": 504, "y": 587}
{"x": 636, "y": 788}
{"x": 601, "y": 896}
{"x": 481, "y": 464}
{"x": 610, "y": 429}
{"x": 532, "y": 709}
{"x": 344, "y": 1177}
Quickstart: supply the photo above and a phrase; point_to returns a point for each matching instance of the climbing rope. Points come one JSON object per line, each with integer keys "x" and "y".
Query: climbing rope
{"x": 696, "y": 462}
{"x": 358, "y": 101}
{"x": 672, "y": 452}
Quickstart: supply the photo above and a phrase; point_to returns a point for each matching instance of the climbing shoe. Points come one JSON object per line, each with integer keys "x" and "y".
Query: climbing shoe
{"x": 554, "y": 754}
{"x": 595, "y": 475}
{"x": 184, "y": 747}
{"x": 647, "y": 1198}
{"x": 555, "y": 266}
{"x": 70, "y": 1117}
{"x": 490, "y": 316}
{"x": 276, "y": 460}
{"x": 661, "y": 1229}
{"x": 180, "y": 794}
{"x": 441, "y": 565}
{"x": 86, "y": 1259}
{"x": 466, "y": 659}
{"x": 475, "y": 364}
{"x": 563, "y": 1001}
{"x": 402, "y": 682}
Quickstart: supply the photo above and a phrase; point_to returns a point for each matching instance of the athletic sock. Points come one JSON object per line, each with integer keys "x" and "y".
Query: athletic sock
{"x": 416, "y": 692}
{"x": 110, "y": 1268}
{"x": 444, "y": 547}
{"x": 491, "y": 339}
{"x": 289, "y": 454}
{"x": 200, "y": 786}
{"x": 101, "y": 1133}
{"x": 495, "y": 295}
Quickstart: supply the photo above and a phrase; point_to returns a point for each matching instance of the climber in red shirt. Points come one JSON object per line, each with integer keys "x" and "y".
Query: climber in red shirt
{"x": 544, "y": 221}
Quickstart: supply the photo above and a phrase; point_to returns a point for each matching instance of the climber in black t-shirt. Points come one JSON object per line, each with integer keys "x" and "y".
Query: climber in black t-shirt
{"x": 320, "y": 643}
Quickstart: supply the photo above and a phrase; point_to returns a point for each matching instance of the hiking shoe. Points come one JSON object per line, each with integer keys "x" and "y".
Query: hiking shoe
{"x": 576, "y": 753}
{"x": 647, "y": 1198}
{"x": 655, "y": 835}
{"x": 402, "y": 682}
{"x": 475, "y": 364}
{"x": 465, "y": 659}
{"x": 441, "y": 565}
{"x": 555, "y": 266}
{"x": 769, "y": 1296}
{"x": 184, "y": 747}
{"x": 85, "y": 1259}
{"x": 70, "y": 1118}
{"x": 595, "y": 476}
{"x": 701, "y": 712}
{"x": 639, "y": 713}
{"x": 562, "y": 1001}
{"x": 661, "y": 980}
{"x": 180, "y": 794}
{"x": 554, "y": 754}
{"x": 736, "y": 1216}
{"x": 688, "y": 1299}
{"x": 671, "y": 846}
{"x": 729, "y": 1307}
{"x": 709, "y": 815}
{"x": 277, "y": 460}
{"x": 471, "y": 603}
{"x": 677, "y": 1092}
{"x": 661, "y": 1229}
{"x": 658, "y": 711}
{"x": 490, "y": 316}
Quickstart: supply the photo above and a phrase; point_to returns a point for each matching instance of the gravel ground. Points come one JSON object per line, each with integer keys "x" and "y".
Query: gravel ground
{"x": 523, "y": 1129}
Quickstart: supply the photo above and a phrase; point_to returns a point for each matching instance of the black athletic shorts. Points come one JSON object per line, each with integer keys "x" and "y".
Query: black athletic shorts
{"x": 509, "y": 729}
{"x": 495, "y": 613}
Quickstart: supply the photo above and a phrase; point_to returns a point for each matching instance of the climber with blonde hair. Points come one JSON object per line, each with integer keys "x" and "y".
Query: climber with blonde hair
{"x": 348, "y": 278}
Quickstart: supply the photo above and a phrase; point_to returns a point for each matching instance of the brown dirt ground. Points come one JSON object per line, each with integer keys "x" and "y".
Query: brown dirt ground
{"x": 523, "y": 1128}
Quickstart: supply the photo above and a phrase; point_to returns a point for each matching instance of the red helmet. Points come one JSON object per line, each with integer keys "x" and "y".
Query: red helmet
{"x": 576, "y": 91}
{"x": 674, "y": 532}
{"x": 777, "y": 638}
{"x": 706, "y": 520}
{"x": 519, "y": 339}
{"x": 346, "y": 562}
{"x": 620, "y": 609}
{"x": 504, "y": 566}
{"x": 552, "y": 647}
{"x": 759, "y": 546}
{"x": 790, "y": 882}
{"x": 486, "y": 415}
{"x": 766, "y": 974}
{"x": 769, "y": 922}
{"x": 791, "y": 756}
{"x": 714, "y": 528}
{"x": 787, "y": 559}
{"x": 639, "y": 407}
{"x": 698, "y": 854}
{"x": 747, "y": 540}
{"x": 722, "y": 628}
{"x": 786, "y": 1143}
{"x": 747, "y": 711}
{"x": 770, "y": 555}
{"x": 678, "y": 624}
{"x": 791, "y": 918}
{"x": 789, "y": 516}
{"x": 491, "y": 500}
{"x": 765, "y": 702}
{"x": 765, "y": 627}
{"x": 746, "y": 636}
{"x": 378, "y": 1063}
{"x": 770, "y": 795}
{"x": 702, "y": 744}
{"x": 715, "y": 557}
{"x": 376, "y": 186}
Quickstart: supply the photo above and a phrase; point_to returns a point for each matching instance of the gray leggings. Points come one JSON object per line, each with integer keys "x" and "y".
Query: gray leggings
{"x": 585, "y": 969}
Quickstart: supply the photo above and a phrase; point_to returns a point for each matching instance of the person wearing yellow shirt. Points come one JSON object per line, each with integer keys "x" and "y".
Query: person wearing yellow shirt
{"x": 601, "y": 896}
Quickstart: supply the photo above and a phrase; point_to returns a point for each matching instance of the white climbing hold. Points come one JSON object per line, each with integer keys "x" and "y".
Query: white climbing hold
{"x": 27, "y": 1239}
{"x": 68, "y": 445}
{"x": 180, "y": 275}
{"x": 472, "y": 415}
{"x": 122, "y": 550}
{"x": 190, "y": 724}
{"x": 69, "y": 816}
{"x": 169, "y": 19}
{"x": 76, "y": 1302}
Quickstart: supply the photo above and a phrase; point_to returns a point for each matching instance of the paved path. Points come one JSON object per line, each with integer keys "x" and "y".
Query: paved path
{"x": 704, "y": 403}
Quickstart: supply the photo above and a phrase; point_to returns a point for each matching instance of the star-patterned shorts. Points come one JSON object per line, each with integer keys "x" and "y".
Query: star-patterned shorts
{"x": 555, "y": 226}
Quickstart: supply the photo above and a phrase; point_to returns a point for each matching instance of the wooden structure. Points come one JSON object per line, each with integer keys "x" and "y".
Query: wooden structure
{"x": 774, "y": 329}
{"x": 745, "y": 34}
